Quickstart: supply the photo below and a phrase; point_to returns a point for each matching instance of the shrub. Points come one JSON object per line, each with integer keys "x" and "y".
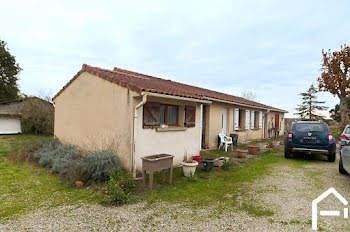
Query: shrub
{"x": 37, "y": 116}
{"x": 96, "y": 166}
{"x": 119, "y": 188}
{"x": 59, "y": 157}
{"x": 64, "y": 159}
{"x": 45, "y": 154}
{"x": 227, "y": 164}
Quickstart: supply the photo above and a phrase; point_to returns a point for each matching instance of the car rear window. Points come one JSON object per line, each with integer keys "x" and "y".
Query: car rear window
{"x": 347, "y": 130}
{"x": 310, "y": 127}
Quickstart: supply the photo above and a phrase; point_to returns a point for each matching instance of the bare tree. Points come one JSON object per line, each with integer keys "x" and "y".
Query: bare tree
{"x": 247, "y": 94}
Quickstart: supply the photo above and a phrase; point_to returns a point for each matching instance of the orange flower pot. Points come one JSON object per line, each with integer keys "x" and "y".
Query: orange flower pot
{"x": 253, "y": 149}
{"x": 242, "y": 153}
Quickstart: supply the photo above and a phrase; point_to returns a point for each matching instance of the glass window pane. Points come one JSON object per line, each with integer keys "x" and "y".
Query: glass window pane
{"x": 310, "y": 127}
{"x": 162, "y": 114}
{"x": 172, "y": 115}
{"x": 347, "y": 130}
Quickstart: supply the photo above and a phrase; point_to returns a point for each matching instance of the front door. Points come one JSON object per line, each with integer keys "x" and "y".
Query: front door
{"x": 224, "y": 121}
{"x": 277, "y": 124}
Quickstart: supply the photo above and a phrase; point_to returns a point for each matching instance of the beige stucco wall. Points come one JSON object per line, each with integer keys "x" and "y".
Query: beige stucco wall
{"x": 95, "y": 113}
{"x": 214, "y": 114}
{"x": 151, "y": 141}
{"x": 215, "y": 124}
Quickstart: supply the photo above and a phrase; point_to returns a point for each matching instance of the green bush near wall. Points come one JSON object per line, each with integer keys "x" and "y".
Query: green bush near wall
{"x": 67, "y": 161}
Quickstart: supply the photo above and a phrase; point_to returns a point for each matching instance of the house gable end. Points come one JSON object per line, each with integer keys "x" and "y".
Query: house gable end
{"x": 102, "y": 74}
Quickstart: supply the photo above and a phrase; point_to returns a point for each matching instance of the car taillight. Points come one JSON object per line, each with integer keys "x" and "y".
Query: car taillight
{"x": 330, "y": 136}
{"x": 290, "y": 135}
{"x": 344, "y": 137}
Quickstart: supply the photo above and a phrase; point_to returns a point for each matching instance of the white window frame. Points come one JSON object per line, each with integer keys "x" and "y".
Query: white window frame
{"x": 247, "y": 119}
{"x": 236, "y": 120}
{"x": 252, "y": 119}
{"x": 260, "y": 119}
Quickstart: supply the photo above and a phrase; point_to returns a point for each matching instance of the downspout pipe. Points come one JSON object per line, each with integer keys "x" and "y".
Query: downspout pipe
{"x": 133, "y": 159}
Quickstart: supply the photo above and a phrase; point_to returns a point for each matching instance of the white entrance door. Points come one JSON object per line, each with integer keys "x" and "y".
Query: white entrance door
{"x": 224, "y": 120}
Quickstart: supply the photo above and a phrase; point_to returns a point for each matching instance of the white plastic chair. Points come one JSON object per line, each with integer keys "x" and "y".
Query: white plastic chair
{"x": 225, "y": 141}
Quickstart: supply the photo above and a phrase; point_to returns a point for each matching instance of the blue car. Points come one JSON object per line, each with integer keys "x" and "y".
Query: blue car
{"x": 310, "y": 137}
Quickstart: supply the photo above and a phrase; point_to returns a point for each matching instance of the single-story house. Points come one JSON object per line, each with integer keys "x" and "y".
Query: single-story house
{"x": 11, "y": 114}
{"x": 144, "y": 115}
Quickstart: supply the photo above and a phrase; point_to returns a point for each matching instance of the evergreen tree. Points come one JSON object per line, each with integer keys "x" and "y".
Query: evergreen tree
{"x": 309, "y": 106}
{"x": 9, "y": 70}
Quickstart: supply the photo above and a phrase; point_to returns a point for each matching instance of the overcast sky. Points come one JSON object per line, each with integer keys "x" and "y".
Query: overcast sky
{"x": 272, "y": 48}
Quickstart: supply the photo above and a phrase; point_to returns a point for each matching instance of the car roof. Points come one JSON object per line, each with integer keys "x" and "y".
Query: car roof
{"x": 309, "y": 122}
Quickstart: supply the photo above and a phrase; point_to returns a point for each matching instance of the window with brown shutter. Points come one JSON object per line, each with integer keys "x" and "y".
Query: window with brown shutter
{"x": 169, "y": 115}
{"x": 151, "y": 116}
{"x": 190, "y": 116}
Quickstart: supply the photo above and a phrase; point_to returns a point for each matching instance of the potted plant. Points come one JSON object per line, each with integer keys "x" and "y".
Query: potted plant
{"x": 208, "y": 164}
{"x": 189, "y": 166}
{"x": 253, "y": 149}
{"x": 242, "y": 153}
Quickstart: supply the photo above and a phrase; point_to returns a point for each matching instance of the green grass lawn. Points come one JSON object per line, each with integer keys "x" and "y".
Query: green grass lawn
{"x": 11, "y": 144}
{"x": 25, "y": 187}
{"x": 206, "y": 188}
{"x": 220, "y": 188}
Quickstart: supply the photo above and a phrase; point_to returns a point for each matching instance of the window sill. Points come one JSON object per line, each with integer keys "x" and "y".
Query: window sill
{"x": 171, "y": 129}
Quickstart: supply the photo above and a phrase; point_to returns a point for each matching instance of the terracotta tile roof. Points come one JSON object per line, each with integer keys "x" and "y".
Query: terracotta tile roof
{"x": 140, "y": 82}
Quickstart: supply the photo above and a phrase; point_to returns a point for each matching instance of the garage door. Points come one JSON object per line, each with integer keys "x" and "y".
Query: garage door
{"x": 10, "y": 126}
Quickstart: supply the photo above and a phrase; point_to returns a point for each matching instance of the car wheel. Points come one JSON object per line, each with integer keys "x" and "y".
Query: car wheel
{"x": 341, "y": 168}
{"x": 287, "y": 153}
{"x": 331, "y": 157}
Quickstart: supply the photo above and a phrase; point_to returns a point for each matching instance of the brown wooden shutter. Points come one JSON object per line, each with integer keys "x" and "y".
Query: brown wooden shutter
{"x": 190, "y": 116}
{"x": 151, "y": 115}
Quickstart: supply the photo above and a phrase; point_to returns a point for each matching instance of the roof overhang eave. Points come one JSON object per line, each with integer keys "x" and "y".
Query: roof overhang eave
{"x": 279, "y": 111}
{"x": 246, "y": 105}
{"x": 238, "y": 104}
{"x": 11, "y": 115}
{"x": 175, "y": 97}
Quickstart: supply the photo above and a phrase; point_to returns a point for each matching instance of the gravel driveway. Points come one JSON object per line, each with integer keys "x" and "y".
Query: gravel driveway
{"x": 286, "y": 193}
